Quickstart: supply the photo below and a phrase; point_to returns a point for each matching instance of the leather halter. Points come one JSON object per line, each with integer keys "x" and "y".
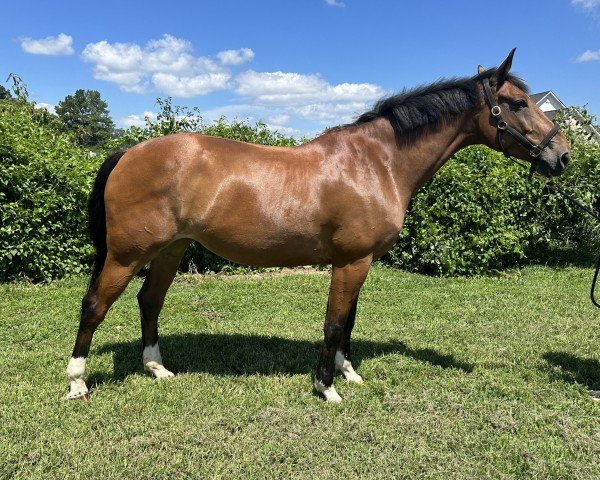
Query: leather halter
{"x": 535, "y": 151}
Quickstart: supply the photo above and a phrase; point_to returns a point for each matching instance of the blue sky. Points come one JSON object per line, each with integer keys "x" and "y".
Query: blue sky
{"x": 299, "y": 66}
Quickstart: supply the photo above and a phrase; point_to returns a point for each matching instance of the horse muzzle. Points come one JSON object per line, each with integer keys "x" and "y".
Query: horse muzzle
{"x": 553, "y": 163}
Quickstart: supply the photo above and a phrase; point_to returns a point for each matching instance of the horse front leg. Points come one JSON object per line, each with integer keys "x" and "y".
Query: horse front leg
{"x": 343, "y": 356}
{"x": 151, "y": 298}
{"x": 346, "y": 281}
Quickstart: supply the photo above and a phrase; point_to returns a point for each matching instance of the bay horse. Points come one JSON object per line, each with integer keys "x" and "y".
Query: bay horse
{"x": 339, "y": 199}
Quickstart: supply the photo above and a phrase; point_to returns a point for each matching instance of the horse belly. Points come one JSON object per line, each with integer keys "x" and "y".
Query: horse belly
{"x": 263, "y": 247}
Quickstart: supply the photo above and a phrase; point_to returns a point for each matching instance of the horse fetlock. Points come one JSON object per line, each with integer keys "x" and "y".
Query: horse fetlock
{"x": 75, "y": 372}
{"x": 328, "y": 392}
{"x": 153, "y": 362}
{"x": 345, "y": 366}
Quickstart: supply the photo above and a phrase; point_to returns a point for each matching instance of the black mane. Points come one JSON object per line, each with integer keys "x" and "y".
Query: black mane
{"x": 413, "y": 112}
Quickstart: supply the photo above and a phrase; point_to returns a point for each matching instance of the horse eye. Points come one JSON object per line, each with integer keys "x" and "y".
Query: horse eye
{"x": 520, "y": 104}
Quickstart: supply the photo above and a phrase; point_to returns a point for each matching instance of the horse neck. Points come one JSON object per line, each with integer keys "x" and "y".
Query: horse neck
{"x": 416, "y": 162}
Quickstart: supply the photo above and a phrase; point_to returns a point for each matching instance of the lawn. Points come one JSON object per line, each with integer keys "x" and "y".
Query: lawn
{"x": 464, "y": 378}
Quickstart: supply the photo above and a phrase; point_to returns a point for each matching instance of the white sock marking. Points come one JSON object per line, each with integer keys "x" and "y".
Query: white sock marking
{"x": 329, "y": 393}
{"x": 153, "y": 362}
{"x": 346, "y": 368}
{"x": 75, "y": 372}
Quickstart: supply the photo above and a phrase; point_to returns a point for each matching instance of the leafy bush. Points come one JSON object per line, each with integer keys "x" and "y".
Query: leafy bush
{"x": 479, "y": 214}
{"x": 565, "y": 222}
{"x": 44, "y": 183}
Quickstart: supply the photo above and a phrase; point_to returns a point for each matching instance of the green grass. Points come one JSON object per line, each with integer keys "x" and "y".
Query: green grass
{"x": 464, "y": 378}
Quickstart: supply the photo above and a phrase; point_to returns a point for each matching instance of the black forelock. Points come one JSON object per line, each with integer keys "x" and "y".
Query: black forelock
{"x": 412, "y": 112}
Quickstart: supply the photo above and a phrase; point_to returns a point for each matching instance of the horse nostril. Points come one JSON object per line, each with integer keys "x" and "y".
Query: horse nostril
{"x": 566, "y": 157}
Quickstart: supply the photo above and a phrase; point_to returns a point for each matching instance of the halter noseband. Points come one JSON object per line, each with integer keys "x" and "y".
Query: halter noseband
{"x": 535, "y": 151}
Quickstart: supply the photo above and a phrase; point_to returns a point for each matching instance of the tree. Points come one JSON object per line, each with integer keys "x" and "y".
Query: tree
{"x": 4, "y": 93}
{"x": 86, "y": 115}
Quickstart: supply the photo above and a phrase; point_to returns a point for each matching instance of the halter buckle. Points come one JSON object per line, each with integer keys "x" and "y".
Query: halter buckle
{"x": 496, "y": 111}
{"x": 535, "y": 152}
{"x": 502, "y": 125}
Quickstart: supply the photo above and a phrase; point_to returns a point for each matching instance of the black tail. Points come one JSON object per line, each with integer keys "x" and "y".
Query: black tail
{"x": 97, "y": 213}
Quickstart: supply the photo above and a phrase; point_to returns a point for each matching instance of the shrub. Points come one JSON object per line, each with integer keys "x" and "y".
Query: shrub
{"x": 477, "y": 215}
{"x": 565, "y": 222}
{"x": 44, "y": 183}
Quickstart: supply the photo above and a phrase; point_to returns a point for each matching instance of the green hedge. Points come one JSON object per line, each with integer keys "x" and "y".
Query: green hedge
{"x": 44, "y": 183}
{"x": 478, "y": 215}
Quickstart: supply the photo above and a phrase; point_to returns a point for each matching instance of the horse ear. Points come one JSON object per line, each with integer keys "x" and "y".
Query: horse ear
{"x": 499, "y": 76}
{"x": 480, "y": 70}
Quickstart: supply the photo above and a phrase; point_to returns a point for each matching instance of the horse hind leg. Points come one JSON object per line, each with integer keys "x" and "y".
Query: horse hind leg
{"x": 101, "y": 295}
{"x": 151, "y": 299}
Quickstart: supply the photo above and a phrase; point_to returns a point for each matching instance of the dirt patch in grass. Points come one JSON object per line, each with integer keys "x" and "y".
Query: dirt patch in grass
{"x": 256, "y": 274}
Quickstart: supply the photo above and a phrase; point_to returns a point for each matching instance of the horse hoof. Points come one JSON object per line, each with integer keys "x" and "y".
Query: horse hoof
{"x": 165, "y": 374}
{"x": 355, "y": 378}
{"x": 83, "y": 396}
{"x": 332, "y": 397}
{"x": 162, "y": 373}
{"x": 158, "y": 370}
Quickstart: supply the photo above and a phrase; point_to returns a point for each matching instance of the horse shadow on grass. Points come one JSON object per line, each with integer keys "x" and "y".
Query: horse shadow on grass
{"x": 575, "y": 370}
{"x": 236, "y": 355}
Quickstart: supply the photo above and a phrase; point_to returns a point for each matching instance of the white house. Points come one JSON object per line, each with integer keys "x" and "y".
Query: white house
{"x": 550, "y": 104}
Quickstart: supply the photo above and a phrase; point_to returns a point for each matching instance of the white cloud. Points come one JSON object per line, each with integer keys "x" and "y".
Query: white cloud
{"x": 335, "y": 3}
{"x": 329, "y": 112}
{"x": 587, "y": 4}
{"x": 290, "y": 131}
{"x": 236, "y": 57}
{"x": 189, "y": 86}
{"x": 589, "y": 56}
{"x": 166, "y": 65}
{"x": 307, "y": 96}
{"x": 280, "y": 119}
{"x": 59, "y": 45}
{"x": 46, "y": 106}
{"x": 295, "y": 88}
{"x": 135, "y": 120}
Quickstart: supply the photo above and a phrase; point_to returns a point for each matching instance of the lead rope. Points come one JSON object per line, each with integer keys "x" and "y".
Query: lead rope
{"x": 590, "y": 212}
{"x": 552, "y": 187}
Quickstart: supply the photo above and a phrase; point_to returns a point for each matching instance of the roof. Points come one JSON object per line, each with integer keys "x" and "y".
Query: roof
{"x": 536, "y": 97}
